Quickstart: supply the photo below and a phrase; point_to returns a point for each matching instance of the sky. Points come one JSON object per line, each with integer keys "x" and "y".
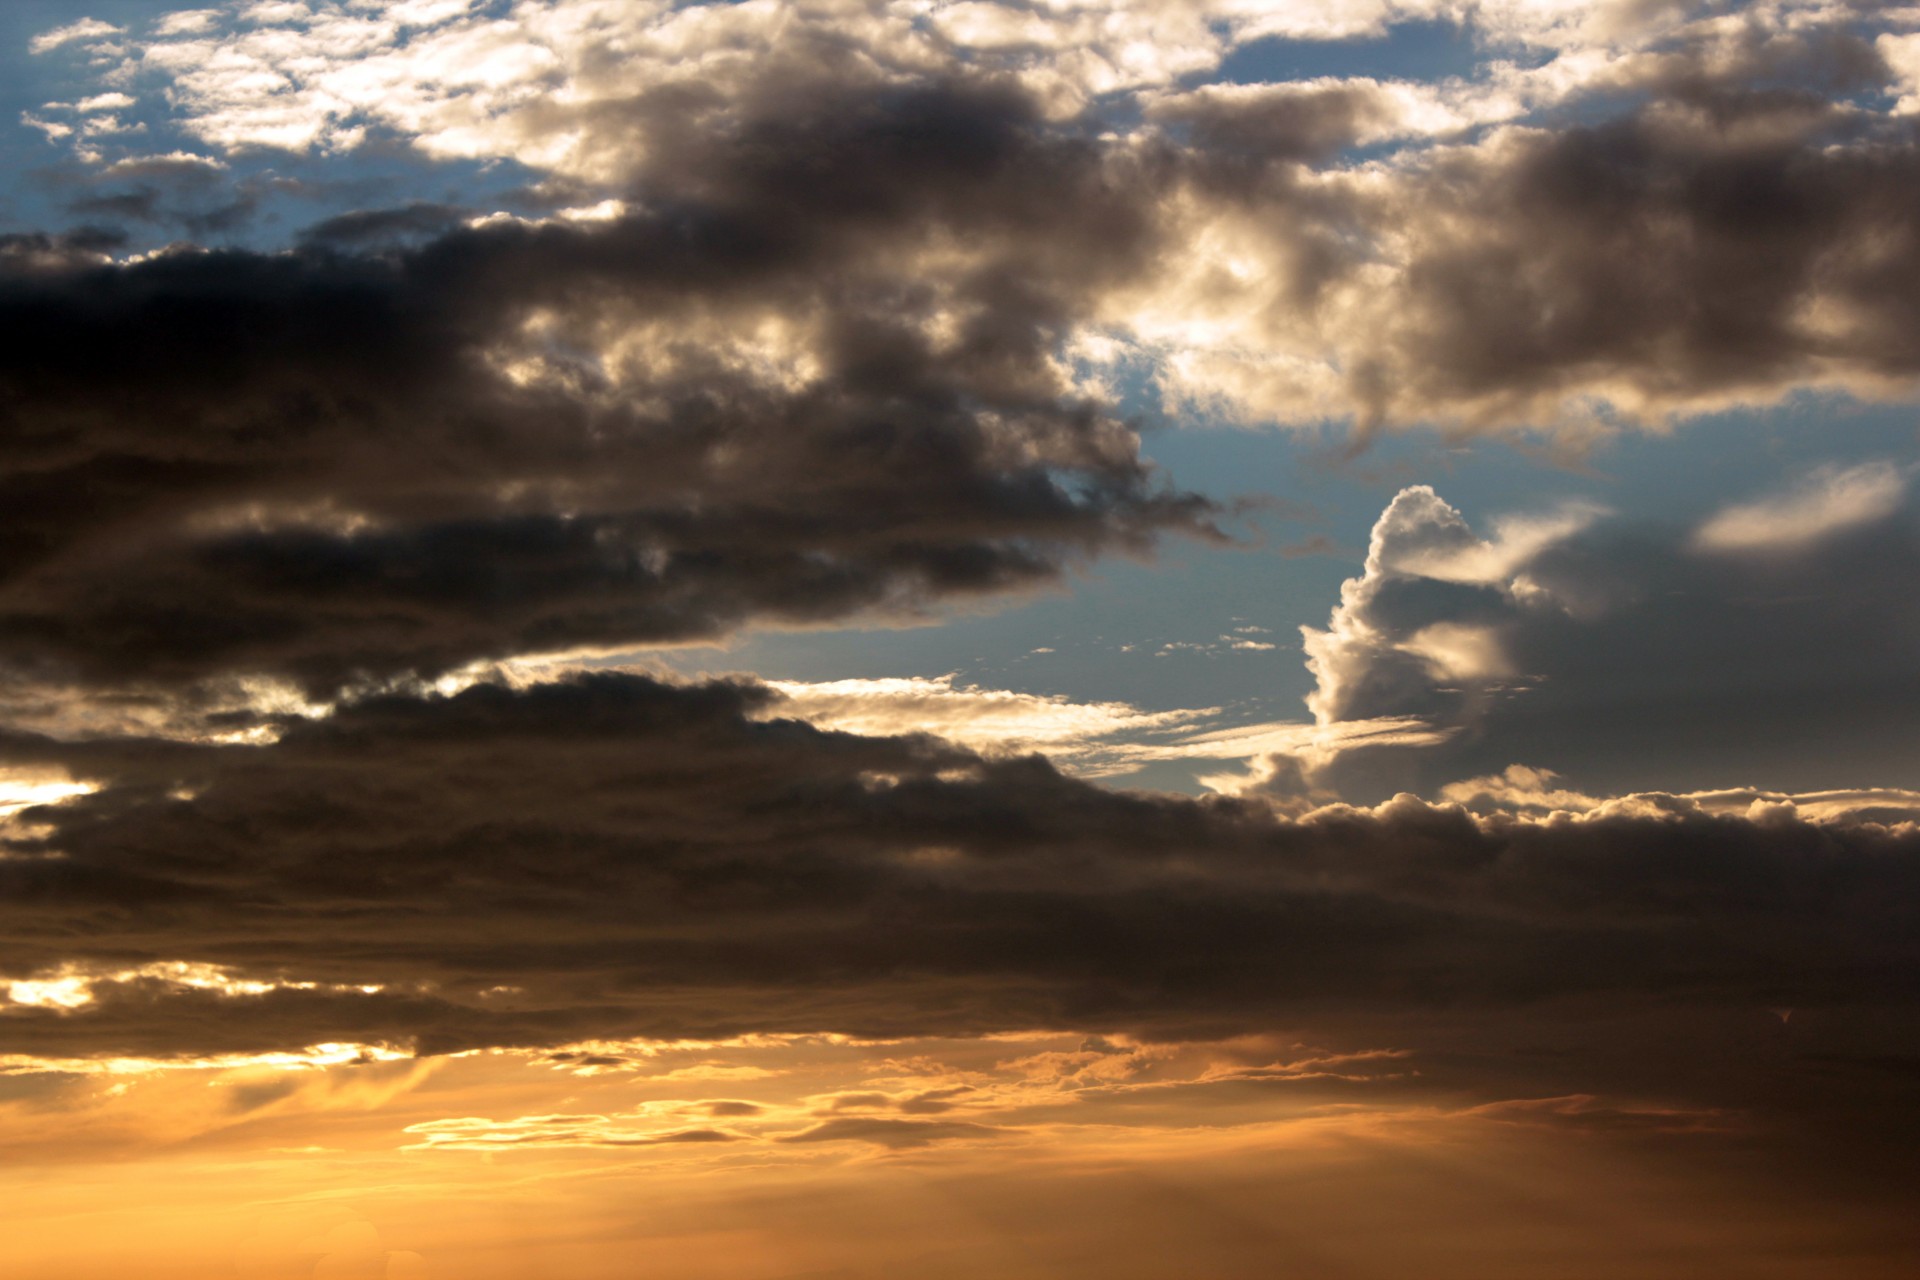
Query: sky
{"x": 850, "y": 639}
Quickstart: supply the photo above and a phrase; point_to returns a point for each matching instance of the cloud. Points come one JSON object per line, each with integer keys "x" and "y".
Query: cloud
{"x": 612, "y": 857}
{"x": 104, "y": 102}
{"x": 1420, "y": 629}
{"x": 1096, "y": 737}
{"x": 1577, "y": 277}
{"x": 783, "y": 397}
{"x": 185, "y": 22}
{"x": 971, "y": 1092}
{"x": 829, "y": 319}
{"x": 24, "y": 788}
{"x": 178, "y": 165}
{"x": 1614, "y": 653}
{"x": 1584, "y": 1113}
{"x": 897, "y": 1135}
{"x": 1538, "y": 274}
{"x": 1729, "y": 220}
{"x": 473, "y": 1133}
{"x": 1284, "y": 754}
{"x": 1517, "y": 787}
{"x": 1421, "y": 536}
{"x": 73, "y": 987}
{"x": 1902, "y": 53}
{"x": 552, "y": 84}
{"x": 1829, "y": 500}
{"x": 421, "y": 219}
{"x": 1888, "y": 805}
{"x": 548, "y": 83}
{"x": 84, "y": 29}
{"x": 844, "y": 344}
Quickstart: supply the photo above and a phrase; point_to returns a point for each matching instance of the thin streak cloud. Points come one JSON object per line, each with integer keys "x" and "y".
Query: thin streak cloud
{"x": 1827, "y": 502}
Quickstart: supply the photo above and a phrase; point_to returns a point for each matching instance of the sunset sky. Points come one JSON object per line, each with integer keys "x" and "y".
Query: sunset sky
{"x": 950, "y": 640}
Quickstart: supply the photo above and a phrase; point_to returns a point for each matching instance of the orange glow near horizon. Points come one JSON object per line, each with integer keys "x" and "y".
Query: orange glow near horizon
{"x": 1015, "y": 1158}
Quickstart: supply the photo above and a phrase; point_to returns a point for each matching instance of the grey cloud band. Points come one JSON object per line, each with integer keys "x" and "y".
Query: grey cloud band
{"x": 611, "y": 856}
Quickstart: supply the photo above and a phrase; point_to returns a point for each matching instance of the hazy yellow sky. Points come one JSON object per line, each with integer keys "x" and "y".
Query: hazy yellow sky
{"x": 1018, "y": 1156}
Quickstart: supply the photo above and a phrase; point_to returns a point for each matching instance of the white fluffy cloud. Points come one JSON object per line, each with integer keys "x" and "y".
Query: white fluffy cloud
{"x": 1424, "y": 619}
{"x": 459, "y": 79}
{"x": 86, "y": 29}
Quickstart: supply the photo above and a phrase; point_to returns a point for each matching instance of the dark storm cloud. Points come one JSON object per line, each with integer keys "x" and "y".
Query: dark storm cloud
{"x": 1703, "y": 249}
{"x": 323, "y": 465}
{"x": 609, "y": 856}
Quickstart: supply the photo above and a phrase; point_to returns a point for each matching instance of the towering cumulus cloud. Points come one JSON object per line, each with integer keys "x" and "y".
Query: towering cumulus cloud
{"x": 1617, "y": 651}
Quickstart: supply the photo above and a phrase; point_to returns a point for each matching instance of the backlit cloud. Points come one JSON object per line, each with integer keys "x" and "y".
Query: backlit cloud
{"x": 982, "y": 719}
{"x": 719, "y": 873}
{"x": 1827, "y": 502}
{"x": 1498, "y": 268}
{"x": 476, "y": 1134}
{"x": 671, "y": 423}
{"x": 1612, "y": 652}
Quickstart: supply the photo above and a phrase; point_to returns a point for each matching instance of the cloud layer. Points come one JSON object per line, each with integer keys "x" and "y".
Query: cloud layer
{"x": 1621, "y": 213}
{"x": 837, "y": 325}
{"x": 610, "y": 856}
